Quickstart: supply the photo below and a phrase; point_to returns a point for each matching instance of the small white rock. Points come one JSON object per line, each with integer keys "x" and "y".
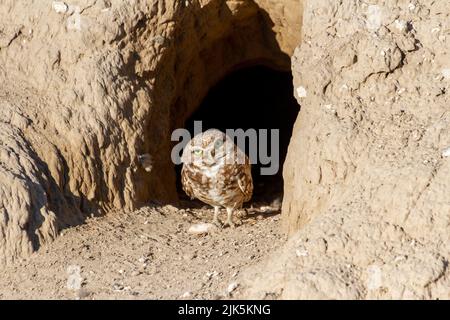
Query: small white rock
{"x": 374, "y": 17}
{"x": 374, "y": 277}
{"x": 185, "y": 295}
{"x": 401, "y": 90}
{"x": 210, "y": 275}
{"x": 400, "y": 25}
{"x": 435, "y": 30}
{"x": 301, "y": 252}
{"x": 446, "y": 153}
{"x": 231, "y": 287}
{"x": 446, "y": 73}
{"x": 301, "y": 92}
{"x": 60, "y": 7}
{"x": 74, "y": 279}
{"x": 202, "y": 228}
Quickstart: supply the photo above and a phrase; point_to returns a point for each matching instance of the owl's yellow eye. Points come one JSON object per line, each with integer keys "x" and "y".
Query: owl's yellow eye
{"x": 197, "y": 152}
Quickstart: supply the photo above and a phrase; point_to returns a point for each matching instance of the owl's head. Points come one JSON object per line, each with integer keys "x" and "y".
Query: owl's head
{"x": 208, "y": 149}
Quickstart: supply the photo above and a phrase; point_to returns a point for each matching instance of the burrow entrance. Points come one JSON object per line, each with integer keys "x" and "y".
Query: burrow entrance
{"x": 255, "y": 97}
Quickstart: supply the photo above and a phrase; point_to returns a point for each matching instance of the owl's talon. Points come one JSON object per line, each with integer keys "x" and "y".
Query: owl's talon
{"x": 217, "y": 223}
{"x": 231, "y": 224}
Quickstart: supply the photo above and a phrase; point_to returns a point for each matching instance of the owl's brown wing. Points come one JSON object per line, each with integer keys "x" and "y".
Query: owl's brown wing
{"x": 245, "y": 182}
{"x": 187, "y": 186}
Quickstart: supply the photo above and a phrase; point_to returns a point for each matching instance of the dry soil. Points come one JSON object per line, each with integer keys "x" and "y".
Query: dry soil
{"x": 146, "y": 254}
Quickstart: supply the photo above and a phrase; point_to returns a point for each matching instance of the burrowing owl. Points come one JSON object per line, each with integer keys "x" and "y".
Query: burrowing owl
{"x": 216, "y": 172}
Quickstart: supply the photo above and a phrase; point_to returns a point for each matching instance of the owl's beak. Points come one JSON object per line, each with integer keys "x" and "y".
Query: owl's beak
{"x": 209, "y": 158}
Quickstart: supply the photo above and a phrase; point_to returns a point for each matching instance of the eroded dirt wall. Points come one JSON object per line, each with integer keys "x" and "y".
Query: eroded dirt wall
{"x": 87, "y": 85}
{"x": 367, "y": 172}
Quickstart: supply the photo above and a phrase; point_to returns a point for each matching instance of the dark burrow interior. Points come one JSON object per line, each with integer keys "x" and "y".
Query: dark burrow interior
{"x": 255, "y": 97}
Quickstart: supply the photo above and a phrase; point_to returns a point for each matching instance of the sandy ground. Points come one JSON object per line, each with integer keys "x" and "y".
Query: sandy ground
{"x": 147, "y": 254}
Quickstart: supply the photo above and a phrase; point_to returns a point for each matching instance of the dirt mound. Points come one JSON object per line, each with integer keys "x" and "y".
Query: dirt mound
{"x": 366, "y": 176}
{"x": 87, "y": 85}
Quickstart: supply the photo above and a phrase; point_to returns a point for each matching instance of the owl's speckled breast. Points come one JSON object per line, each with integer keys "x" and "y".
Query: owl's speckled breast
{"x": 216, "y": 171}
{"x": 217, "y": 185}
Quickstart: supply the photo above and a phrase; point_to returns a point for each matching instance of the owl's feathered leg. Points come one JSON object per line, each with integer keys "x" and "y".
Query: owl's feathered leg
{"x": 216, "y": 216}
{"x": 230, "y": 217}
